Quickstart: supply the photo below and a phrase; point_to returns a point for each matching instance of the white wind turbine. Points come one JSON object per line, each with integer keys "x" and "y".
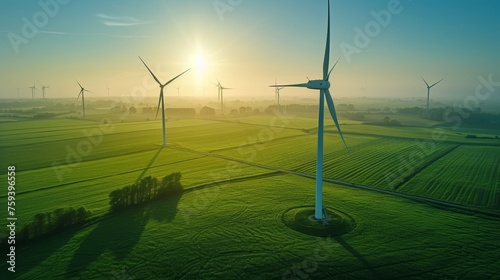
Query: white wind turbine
{"x": 428, "y": 93}
{"x": 33, "y": 89}
{"x": 43, "y": 90}
{"x": 323, "y": 86}
{"x": 277, "y": 94}
{"x": 82, "y": 93}
{"x": 221, "y": 94}
{"x": 161, "y": 99}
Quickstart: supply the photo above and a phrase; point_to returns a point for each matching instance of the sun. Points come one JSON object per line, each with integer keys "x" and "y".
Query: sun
{"x": 200, "y": 64}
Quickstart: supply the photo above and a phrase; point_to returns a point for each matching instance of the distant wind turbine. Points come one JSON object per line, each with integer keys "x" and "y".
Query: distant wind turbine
{"x": 218, "y": 90}
{"x": 221, "y": 90}
{"x": 428, "y": 93}
{"x": 33, "y": 88}
{"x": 18, "y": 93}
{"x": 277, "y": 94}
{"x": 161, "y": 99}
{"x": 323, "y": 86}
{"x": 43, "y": 90}
{"x": 108, "y": 91}
{"x": 82, "y": 93}
{"x": 178, "y": 93}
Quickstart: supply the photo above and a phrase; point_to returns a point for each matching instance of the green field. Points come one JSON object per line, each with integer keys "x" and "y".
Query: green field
{"x": 240, "y": 174}
{"x": 469, "y": 175}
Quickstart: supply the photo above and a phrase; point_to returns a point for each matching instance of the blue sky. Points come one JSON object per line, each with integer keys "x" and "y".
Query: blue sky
{"x": 247, "y": 45}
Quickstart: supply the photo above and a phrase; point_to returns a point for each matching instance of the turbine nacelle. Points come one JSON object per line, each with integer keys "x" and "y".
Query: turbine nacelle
{"x": 312, "y": 84}
{"x": 318, "y": 84}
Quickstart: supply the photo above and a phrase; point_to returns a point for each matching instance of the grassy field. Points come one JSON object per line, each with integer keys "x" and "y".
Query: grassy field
{"x": 233, "y": 231}
{"x": 469, "y": 176}
{"x": 228, "y": 223}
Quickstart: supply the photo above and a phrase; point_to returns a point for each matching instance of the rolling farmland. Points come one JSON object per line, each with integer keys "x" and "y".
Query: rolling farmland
{"x": 469, "y": 175}
{"x": 239, "y": 179}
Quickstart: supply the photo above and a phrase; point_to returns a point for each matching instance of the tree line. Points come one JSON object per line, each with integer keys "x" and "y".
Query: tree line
{"x": 47, "y": 223}
{"x": 147, "y": 189}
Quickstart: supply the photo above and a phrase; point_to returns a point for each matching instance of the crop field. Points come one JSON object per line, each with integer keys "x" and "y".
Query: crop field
{"x": 469, "y": 176}
{"x": 240, "y": 175}
{"x": 234, "y": 231}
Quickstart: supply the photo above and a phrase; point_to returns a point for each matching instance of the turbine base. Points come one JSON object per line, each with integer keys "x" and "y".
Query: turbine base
{"x": 302, "y": 219}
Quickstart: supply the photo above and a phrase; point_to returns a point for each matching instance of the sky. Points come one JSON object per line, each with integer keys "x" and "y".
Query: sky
{"x": 384, "y": 46}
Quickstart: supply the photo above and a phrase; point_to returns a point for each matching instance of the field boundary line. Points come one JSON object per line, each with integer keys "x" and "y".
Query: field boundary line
{"x": 425, "y": 166}
{"x": 358, "y": 186}
{"x": 100, "y": 177}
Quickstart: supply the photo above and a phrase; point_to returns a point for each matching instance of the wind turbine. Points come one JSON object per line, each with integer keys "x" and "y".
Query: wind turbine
{"x": 43, "y": 90}
{"x": 323, "y": 86}
{"x": 18, "y": 93}
{"x": 429, "y": 92}
{"x": 218, "y": 90}
{"x": 108, "y": 91}
{"x": 161, "y": 99}
{"x": 33, "y": 88}
{"x": 277, "y": 94}
{"x": 82, "y": 93}
{"x": 178, "y": 94}
{"x": 221, "y": 90}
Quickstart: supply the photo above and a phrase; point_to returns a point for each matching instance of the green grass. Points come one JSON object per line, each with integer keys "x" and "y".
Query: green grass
{"x": 235, "y": 232}
{"x": 228, "y": 223}
{"x": 469, "y": 176}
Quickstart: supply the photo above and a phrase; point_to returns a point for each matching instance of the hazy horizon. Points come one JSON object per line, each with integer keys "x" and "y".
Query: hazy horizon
{"x": 246, "y": 45}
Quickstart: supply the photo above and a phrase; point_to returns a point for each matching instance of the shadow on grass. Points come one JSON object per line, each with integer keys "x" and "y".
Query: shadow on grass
{"x": 120, "y": 233}
{"x": 150, "y": 163}
{"x": 359, "y": 256}
{"x": 36, "y": 252}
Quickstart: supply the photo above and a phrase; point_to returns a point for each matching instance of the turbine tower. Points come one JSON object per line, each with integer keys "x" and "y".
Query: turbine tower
{"x": 428, "y": 93}
{"x": 33, "y": 89}
{"x": 82, "y": 93}
{"x": 323, "y": 86}
{"x": 221, "y": 95}
{"x": 161, "y": 99}
{"x": 43, "y": 90}
{"x": 218, "y": 90}
{"x": 277, "y": 94}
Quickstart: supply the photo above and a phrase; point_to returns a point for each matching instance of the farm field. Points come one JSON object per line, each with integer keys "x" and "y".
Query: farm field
{"x": 236, "y": 189}
{"x": 234, "y": 231}
{"x": 469, "y": 175}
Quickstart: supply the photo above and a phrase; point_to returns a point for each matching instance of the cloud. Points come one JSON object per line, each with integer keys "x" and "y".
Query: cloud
{"x": 93, "y": 34}
{"x": 120, "y": 21}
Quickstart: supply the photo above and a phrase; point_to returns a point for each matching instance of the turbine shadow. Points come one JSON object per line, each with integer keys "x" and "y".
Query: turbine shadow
{"x": 150, "y": 163}
{"x": 359, "y": 256}
{"x": 119, "y": 234}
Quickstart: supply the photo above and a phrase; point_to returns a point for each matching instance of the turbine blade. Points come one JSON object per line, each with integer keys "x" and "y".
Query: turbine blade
{"x": 79, "y": 84}
{"x": 159, "y": 99}
{"x": 176, "y": 77}
{"x": 292, "y": 85}
{"x": 79, "y": 94}
{"x": 327, "y": 49}
{"x": 328, "y": 77}
{"x": 425, "y": 82}
{"x": 331, "y": 108}
{"x": 156, "y": 79}
{"x": 436, "y": 82}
